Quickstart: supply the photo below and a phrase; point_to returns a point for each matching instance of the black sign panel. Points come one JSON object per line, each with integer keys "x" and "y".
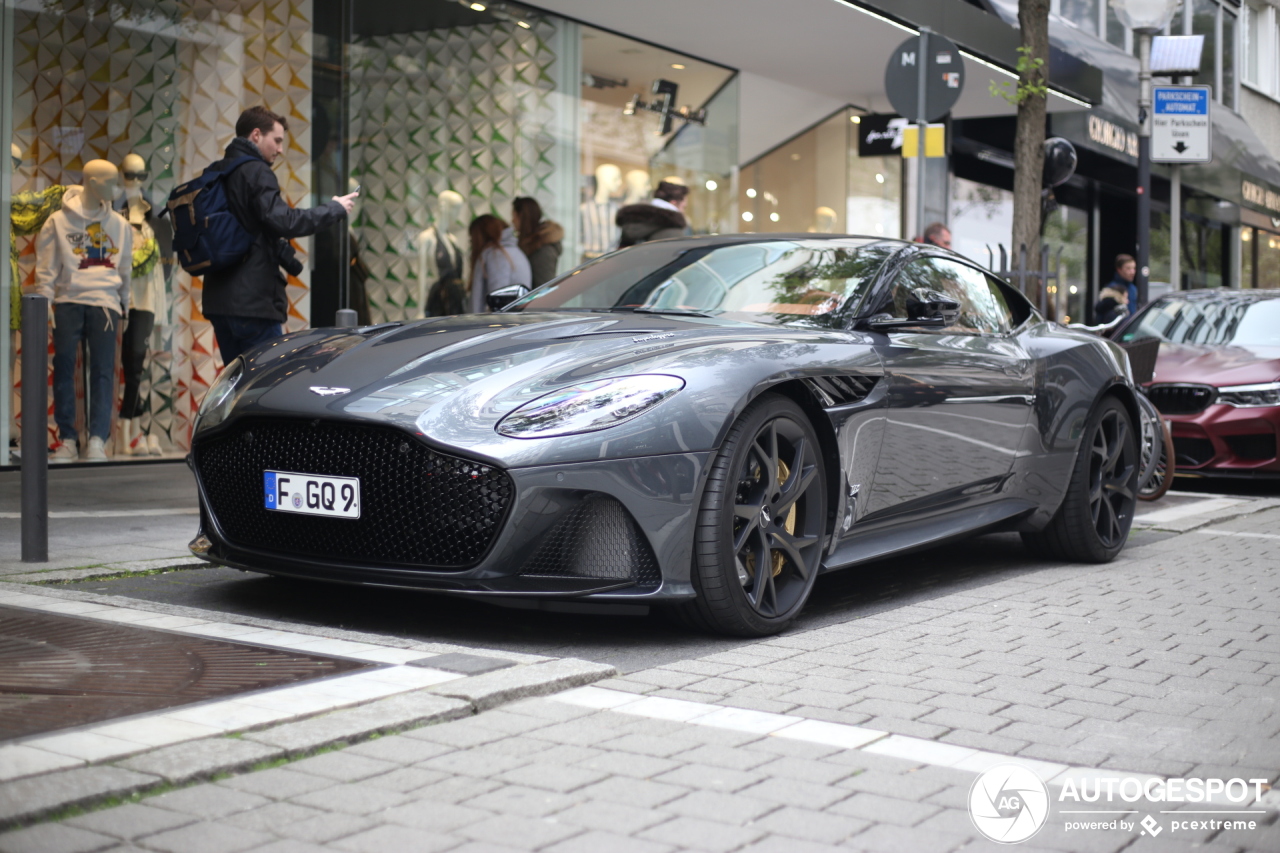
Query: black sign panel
{"x": 944, "y": 78}
{"x": 880, "y": 135}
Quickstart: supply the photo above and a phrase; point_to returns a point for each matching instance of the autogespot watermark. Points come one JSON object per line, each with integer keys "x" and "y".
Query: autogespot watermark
{"x": 1009, "y": 804}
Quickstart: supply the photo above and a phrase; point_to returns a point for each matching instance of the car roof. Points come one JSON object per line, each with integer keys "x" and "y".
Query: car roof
{"x": 1221, "y": 294}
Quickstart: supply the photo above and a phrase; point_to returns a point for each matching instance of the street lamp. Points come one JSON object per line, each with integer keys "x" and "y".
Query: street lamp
{"x": 1145, "y": 18}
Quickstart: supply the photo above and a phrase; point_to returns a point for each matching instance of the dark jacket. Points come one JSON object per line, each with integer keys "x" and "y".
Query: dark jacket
{"x": 1111, "y": 303}
{"x": 543, "y": 248}
{"x": 642, "y": 222}
{"x": 256, "y": 287}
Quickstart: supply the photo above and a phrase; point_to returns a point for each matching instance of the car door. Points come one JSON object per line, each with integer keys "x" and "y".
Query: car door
{"x": 960, "y": 397}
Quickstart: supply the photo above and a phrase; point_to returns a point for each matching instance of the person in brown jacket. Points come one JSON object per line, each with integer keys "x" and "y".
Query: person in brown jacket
{"x": 541, "y": 240}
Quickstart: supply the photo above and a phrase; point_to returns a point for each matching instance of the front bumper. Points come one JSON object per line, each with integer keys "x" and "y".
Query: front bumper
{"x": 617, "y": 530}
{"x": 1227, "y": 440}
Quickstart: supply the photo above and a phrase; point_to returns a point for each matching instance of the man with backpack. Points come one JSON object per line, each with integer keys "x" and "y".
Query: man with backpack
{"x": 245, "y": 301}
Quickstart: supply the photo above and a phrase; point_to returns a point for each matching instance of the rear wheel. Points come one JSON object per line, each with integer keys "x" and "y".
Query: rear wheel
{"x": 762, "y": 524}
{"x": 1092, "y": 525}
{"x": 1162, "y": 477}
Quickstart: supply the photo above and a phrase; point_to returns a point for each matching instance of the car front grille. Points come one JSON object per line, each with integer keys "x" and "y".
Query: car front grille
{"x": 1182, "y": 399}
{"x": 419, "y": 507}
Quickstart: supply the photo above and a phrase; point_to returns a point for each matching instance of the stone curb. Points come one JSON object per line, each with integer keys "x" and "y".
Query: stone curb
{"x": 26, "y": 800}
{"x": 1184, "y": 525}
{"x": 111, "y": 570}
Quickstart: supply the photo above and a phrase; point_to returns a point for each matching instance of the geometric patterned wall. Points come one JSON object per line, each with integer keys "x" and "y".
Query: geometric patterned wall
{"x": 165, "y": 79}
{"x": 468, "y": 109}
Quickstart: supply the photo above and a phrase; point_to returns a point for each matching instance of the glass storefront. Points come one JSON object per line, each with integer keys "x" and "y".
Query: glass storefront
{"x": 1259, "y": 258}
{"x": 817, "y": 183}
{"x": 440, "y": 111}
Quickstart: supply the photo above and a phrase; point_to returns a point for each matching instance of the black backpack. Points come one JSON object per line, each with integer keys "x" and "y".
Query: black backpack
{"x": 207, "y": 237}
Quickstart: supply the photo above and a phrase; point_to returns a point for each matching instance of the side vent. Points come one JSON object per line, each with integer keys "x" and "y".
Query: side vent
{"x": 841, "y": 390}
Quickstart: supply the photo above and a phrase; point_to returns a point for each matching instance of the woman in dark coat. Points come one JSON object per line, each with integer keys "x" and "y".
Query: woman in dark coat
{"x": 541, "y": 240}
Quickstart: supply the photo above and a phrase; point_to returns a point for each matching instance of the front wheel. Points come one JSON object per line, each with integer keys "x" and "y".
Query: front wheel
{"x": 1092, "y": 525}
{"x": 761, "y": 526}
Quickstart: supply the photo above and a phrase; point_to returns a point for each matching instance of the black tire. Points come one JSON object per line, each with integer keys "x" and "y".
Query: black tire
{"x": 765, "y": 505}
{"x": 1162, "y": 480}
{"x": 1092, "y": 525}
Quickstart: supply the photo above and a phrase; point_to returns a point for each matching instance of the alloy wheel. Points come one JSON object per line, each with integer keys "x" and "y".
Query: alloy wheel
{"x": 1111, "y": 466}
{"x": 777, "y": 523}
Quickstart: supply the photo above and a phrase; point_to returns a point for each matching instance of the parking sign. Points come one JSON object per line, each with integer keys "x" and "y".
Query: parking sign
{"x": 1180, "y": 128}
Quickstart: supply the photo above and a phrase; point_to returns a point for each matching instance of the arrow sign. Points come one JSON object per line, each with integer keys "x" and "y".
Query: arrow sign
{"x": 1181, "y": 129}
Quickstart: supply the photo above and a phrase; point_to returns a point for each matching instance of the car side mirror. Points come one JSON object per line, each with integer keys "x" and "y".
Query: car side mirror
{"x": 926, "y": 309}
{"x": 504, "y": 296}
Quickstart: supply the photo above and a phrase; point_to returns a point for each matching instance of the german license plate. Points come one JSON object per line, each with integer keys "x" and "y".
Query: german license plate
{"x": 312, "y": 494}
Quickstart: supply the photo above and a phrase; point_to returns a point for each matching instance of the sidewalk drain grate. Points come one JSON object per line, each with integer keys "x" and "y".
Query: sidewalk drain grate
{"x": 60, "y": 671}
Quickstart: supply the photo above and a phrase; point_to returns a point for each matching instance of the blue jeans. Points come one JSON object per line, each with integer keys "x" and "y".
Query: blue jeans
{"x": 237, "y": 334}
{"x": 97, "y": 327}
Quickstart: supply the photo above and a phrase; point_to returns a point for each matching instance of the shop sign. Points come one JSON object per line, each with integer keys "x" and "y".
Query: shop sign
{"x": 1111, "y": 135}
{"x": 1180, "y": 127}
{"x": 1260, "y": 196}
{"x": 880, "y": 135}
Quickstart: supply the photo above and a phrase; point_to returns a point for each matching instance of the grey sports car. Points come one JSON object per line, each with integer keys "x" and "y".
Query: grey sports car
{"x": 704, "y": 424}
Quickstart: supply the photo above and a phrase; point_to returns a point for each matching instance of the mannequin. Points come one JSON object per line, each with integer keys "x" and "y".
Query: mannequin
{"x": 146, "y": 303}
{"x": 441, "y": 289}
{"x": 84, "y": 262}
{"x": 598, "y": 229}
{"x": 824, "y": 219}
{"x": 638, "y": 187}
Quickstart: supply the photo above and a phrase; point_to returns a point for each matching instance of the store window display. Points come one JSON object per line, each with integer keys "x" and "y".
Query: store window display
{"x": 442, "y": 285}
{"x": 146, "y": 307}
{"x": 598, "y": 215}
{"x": 84, "y": 266}
{"x": 817, "y": 182}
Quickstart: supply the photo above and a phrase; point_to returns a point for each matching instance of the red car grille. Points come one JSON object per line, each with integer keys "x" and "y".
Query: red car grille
{"x": 1182, "y": 399}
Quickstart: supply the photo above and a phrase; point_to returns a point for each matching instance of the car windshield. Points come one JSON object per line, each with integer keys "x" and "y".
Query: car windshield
{"x": 1211, "y": 323}
{"x": 773, "y": 281}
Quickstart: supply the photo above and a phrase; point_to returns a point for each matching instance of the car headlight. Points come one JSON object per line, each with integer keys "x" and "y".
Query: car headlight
{"x": 1248, "y": 396}
{"x": 217, "y": 404}
{"x": 589, "y": 407}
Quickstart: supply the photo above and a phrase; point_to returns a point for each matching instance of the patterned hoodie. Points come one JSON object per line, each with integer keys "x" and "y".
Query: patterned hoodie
{"x": 85, "y": 256}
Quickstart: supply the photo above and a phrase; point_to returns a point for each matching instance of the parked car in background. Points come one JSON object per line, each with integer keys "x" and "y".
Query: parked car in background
{"x": 1217, "y": 377}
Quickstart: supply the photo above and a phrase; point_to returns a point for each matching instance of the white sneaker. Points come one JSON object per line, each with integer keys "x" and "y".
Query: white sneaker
{"x": 64, "y": 451}
{"x": 153, "y": 445}
{"x": 96, "y": 451}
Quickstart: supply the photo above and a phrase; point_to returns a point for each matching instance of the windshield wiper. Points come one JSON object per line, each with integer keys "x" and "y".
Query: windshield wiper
{"x": 688, "y": 312}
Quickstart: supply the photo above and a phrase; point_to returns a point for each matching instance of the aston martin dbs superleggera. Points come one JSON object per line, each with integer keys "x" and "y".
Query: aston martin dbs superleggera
{"x": 704, "y": 424}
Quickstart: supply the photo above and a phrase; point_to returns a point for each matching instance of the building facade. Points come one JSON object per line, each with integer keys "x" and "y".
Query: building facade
{"x": 442, "y": 110}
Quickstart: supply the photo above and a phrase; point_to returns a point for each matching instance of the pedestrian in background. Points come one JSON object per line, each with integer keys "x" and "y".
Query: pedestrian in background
{"x": 655, "y": 220}
{"x": 541, "y": 240}
{"x": 1126, "y": 272}
{"x": 496, "y": 260}
{"x": 1113, "y": 302}
{"x": 246, "y": 303}
{"x": 937, "y": 234}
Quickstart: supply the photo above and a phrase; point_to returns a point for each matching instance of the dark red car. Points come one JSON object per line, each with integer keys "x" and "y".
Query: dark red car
{"x": 1217, "y": 377}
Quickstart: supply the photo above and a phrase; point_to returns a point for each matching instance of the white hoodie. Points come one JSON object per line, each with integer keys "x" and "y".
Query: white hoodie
{"x": 85, "y": 256}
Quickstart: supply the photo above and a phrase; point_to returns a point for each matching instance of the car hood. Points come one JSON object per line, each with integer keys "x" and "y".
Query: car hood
{"x": 1217, "y": 365}
{"x": 451, "y": 379}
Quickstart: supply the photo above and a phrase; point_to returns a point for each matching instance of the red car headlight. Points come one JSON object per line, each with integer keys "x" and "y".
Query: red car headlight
{"x": 1250, "y": 396}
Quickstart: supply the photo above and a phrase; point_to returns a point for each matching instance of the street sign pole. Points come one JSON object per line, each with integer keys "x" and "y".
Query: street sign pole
{"x": 922, "y": 121}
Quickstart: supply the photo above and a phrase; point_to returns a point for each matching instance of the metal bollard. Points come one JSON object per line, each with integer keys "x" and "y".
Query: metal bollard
{"x": 35, "y": 442}
{"x": 345, "y": 318}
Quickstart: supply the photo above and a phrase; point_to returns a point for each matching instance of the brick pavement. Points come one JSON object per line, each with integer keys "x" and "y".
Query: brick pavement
{"x": 1162, "y": 662}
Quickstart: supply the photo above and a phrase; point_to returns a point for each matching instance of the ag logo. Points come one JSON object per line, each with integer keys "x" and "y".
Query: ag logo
{"x": 1008, "y": 804}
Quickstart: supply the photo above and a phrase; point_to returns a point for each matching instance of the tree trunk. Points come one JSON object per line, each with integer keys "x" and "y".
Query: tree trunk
{"x": 1028, "y": 145}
